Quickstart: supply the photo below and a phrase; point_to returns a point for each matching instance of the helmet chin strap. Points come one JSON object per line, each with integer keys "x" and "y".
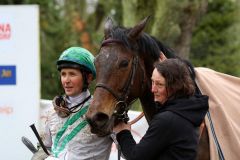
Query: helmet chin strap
{"x": 85, "y": 80}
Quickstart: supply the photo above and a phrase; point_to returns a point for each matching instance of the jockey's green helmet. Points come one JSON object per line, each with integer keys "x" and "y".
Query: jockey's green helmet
{"x": 79, "y": 58}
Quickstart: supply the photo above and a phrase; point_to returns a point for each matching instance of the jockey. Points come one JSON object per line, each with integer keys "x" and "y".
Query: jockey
{"x": 67, "y": 133}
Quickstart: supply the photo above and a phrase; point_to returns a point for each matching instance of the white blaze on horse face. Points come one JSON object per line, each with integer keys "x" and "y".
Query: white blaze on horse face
{"x": 107, "y": 55}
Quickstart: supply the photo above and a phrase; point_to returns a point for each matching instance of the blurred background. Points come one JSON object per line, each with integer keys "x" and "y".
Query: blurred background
{"x": 206, "y": 32}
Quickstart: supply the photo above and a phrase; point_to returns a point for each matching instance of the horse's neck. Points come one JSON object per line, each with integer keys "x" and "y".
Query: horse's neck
{"x": 147, "y": 99}
{"x": 148, "y": 105}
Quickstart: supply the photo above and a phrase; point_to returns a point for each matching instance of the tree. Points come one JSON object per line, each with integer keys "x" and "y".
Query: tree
{"x": 215, "y": 41}
{"x": 188, "y": 17}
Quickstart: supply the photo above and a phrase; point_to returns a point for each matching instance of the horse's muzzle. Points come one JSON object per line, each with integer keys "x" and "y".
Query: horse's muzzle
{"x": 99, "y": 124}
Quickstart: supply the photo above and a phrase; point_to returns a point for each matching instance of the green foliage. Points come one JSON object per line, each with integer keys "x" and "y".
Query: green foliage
{"x": 212, "y": 43}
{"x": 165, "y": 26}
{"x": 55, "y": 31}
{"x": 169, "y": 16}
{"x": 136, "y": 106}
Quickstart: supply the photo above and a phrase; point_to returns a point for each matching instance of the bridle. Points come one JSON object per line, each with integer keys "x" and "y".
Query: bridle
{"x": 122, "y": 107}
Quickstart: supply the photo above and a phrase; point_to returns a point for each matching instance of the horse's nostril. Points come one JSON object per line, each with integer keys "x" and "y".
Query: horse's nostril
{"x": 101, "y": 117}
{"x": 99, "y": 120}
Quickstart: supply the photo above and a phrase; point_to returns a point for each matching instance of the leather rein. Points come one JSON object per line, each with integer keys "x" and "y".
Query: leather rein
{"x": 121, "y": 107}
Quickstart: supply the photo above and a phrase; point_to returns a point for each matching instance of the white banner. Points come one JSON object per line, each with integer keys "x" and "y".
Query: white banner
{"x": 19, "y": 78}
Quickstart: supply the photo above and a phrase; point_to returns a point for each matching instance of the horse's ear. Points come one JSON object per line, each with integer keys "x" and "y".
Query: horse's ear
{"x": 108, "y": 27}
{"x": 136, "y": 31}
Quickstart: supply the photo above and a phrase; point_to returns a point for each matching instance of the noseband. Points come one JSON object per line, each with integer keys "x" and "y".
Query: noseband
{"x": 121, "y": 107}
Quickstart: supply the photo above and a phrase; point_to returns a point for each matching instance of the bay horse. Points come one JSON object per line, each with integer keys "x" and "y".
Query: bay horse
{"x": 124, "y": 67}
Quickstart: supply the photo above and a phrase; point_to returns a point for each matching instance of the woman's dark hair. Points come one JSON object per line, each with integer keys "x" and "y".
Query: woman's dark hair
{"x": 178, "y": 80}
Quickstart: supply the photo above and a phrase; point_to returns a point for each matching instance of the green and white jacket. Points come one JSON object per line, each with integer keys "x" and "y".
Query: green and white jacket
{"x": 70, "y": 138}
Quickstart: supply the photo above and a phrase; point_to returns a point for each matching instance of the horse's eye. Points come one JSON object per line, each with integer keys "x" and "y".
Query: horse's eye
{"x": 123, "y": 64}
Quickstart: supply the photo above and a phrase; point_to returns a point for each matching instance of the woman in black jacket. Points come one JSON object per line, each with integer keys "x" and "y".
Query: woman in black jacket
{"x": 173, "y": 131}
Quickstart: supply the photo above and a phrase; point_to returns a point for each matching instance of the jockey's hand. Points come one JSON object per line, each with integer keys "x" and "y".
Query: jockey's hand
{"x": 39, "y": 155}
{"x": 121, "y": 126}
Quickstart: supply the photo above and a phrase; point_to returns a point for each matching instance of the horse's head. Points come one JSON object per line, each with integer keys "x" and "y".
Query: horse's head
{"x": 121, "y": 75}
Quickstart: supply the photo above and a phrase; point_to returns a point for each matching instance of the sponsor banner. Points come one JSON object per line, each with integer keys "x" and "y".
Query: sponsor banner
{"x": 19, "y": 78}
{"x": 5, "y": 31}
{"x": 7, "y": 75}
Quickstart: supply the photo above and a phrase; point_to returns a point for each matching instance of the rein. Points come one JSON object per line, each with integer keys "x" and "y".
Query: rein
{"x": 136, "y": 119}
{"x": 121, "y": 107}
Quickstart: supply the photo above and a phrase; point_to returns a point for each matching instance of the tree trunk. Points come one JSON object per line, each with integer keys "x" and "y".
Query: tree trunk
{"x": 191, "y": 13}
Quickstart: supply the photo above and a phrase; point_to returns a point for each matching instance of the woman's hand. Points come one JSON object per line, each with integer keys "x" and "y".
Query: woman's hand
{"x": 121, "y": 126}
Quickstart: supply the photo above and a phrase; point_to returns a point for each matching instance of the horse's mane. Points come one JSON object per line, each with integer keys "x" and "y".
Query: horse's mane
{"x": 145, "y": 43}
{"x": 168, "y": 52}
